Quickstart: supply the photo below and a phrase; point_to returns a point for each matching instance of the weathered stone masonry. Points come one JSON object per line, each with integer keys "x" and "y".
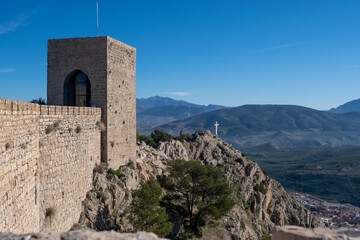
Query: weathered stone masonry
{"x": 19, "y": 156}
{"x": 110, "y": 66}
{"x": 47, "y": 154}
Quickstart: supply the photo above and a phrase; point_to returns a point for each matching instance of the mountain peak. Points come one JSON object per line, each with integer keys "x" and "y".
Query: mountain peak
{"x": 352, "y": 106}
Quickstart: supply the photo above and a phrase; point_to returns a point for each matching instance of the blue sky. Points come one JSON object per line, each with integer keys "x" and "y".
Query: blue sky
{"x": 221, "y": 52}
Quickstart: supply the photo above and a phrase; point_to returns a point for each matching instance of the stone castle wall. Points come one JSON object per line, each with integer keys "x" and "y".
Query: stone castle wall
{"x": 68, "y": 154}
{"x": 111, "y": 68}
{"x": 121, "y": 97}
{"x": 47, "y": 154}
{"x": 19, "y": 155}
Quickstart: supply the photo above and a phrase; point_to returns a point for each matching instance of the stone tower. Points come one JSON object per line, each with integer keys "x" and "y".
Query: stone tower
{"x": 98, "y": 72}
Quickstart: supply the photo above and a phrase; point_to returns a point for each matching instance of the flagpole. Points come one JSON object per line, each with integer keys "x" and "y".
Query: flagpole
{"x": 97, "y": 17}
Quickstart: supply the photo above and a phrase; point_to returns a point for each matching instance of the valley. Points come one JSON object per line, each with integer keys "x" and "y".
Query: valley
{"x": 332, "y": 174}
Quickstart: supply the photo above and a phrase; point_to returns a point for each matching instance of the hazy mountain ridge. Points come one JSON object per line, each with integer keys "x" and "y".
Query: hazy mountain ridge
{"x": 154, "y": 111}
{"x": 254, "y": 118}
{"x": 352, "y": 106}
{"x": 283, "y": 125}
{"x": 157, "y": 101}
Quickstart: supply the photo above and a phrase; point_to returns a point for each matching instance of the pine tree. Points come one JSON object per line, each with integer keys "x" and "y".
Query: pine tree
{"x": 146, "y": 213}
{"x": 198, "y": 192}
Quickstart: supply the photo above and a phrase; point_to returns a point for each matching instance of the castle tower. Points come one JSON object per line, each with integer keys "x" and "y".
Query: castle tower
{"x": 98, "y": 72}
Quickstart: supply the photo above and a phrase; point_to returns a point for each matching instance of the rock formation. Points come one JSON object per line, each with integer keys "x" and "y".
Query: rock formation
{"x": 83, "y": 235}
{"x": 261, "y": 203}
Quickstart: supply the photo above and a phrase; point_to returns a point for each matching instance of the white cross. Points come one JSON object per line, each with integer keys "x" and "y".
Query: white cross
{"x": 216, "y": 127}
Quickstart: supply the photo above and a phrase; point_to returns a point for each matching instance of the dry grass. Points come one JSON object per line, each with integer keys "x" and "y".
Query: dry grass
{"x": 52, "y": 127}
{"x": 78, "y": 129}
{"x": 101, "y": 167}
{"x": 76, "y": 226}
{"x": 49, "y": 129}
{"x": 101, "y": 126}
{"x": 56, "y": 124}
{"x": 50, "y": 212}
{"x": 9, "y": 145}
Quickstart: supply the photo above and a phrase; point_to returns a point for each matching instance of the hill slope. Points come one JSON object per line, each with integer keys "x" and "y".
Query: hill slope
{"x": 352, "y": 106}
{"x": 283, "y": 125}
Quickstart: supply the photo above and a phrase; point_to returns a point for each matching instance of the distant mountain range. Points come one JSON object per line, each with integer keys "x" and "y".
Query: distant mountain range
{"x": 253, "y": 125}
{"x": 154, "y": 111}
{"x": 352, "y": 106}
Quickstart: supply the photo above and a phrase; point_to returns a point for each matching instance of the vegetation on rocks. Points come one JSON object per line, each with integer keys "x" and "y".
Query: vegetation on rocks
{"x": 158, "y": 136}
{"x": 197, "y": 192}
{"x": 146, "y": 213}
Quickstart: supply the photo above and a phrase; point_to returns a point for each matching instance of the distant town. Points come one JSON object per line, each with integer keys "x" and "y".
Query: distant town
{"x": 334, "y": 215}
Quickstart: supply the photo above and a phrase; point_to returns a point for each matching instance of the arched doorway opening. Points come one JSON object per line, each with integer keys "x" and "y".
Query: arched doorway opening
{"x": 77, "y": 90}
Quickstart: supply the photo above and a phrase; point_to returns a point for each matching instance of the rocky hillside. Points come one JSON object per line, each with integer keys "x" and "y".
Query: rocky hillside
{"x": 262, "y": 203}
{"x": 82, "y": 235}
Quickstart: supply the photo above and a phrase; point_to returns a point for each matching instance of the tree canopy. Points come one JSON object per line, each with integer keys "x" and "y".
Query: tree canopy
{"x": 146, "y": 213}
{"x": 159, "y": 135}
{"x": 40, "y": 101}
{"x": 198, "y": 192}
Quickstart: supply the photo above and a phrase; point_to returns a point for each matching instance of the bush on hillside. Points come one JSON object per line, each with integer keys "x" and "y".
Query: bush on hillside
{"x": 148, "y": 140}
{"x": 184, "y": 137}
{"x": 158, "y": 136}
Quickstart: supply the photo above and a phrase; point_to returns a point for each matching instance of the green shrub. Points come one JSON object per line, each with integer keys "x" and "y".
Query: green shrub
{"x": 185, "y": 235}
{"x": 160, "y": 136}
{"x": 148, "y": 140}
{"x": 260, "y": 188}
{"x": 246, "y": 206}
{"x": 242, "y": 224}
{"x": 265, "y": 237}
{"x": 184, "y": 137}
{"x": 119, "y": 174}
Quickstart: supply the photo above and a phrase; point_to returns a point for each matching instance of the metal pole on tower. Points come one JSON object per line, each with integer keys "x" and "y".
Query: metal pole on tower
{"x": 97, "y": 17}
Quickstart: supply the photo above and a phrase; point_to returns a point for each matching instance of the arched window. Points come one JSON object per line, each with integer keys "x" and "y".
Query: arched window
{"x": 77, "y": 90}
